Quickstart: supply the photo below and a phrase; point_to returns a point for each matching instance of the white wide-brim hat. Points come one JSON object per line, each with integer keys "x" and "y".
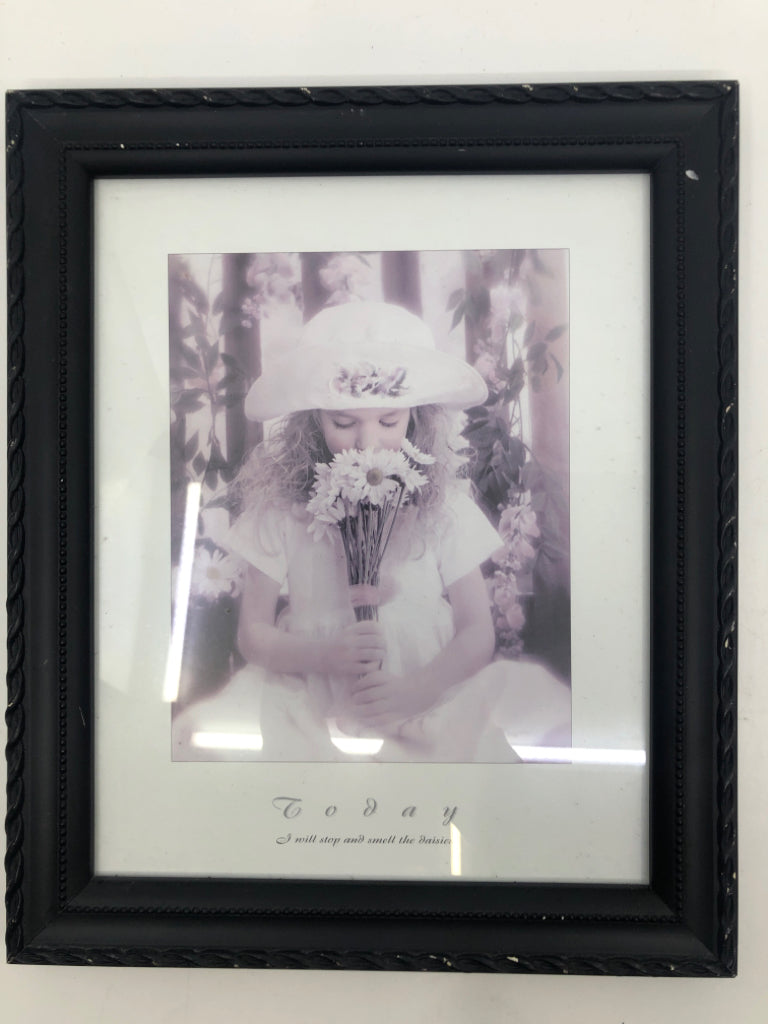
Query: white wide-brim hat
{"x": 364, "y": 355}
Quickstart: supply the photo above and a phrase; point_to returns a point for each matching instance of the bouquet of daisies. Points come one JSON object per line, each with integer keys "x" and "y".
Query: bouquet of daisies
{"x": 361, "y": 493}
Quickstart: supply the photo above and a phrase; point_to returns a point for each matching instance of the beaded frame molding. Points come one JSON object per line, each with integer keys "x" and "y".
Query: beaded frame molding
{"x": 683, "y": 923}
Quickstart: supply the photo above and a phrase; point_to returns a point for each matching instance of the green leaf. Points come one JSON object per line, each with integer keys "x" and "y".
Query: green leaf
{"x": 191, "y": 446}
{"x": 193, "y": 393}
{"x": 179, "y": 374}
{"x": 530, "y": 330}
{"x": 517, "y": 452}
{"x": 230, "y": 401}
{"x": 196, "y": 326}
{"x": 515, "y": 321}
{"x": 211, "y": 357}
{"x": 482, "y": 440}
{"x": 227, "y": 380}
{"x": 216, "y": 460}
{"x": 192, "y": 356}
{"x": 233, "y": 365}
{"x": 512, "y": 393}
{"x": 535, "y": 352}
{"x": 479, "y": 414}
{"x": 222, "y": 501}
{"x": 558, "y": 364}
{"x": 491, "y": 426}
{"x": 218, "y": 304}
{"x": 458, "y": 314}
{"x": 190, "y": 407}
{"x": 555, "y": 332}
{"x": 455, "y": 298}
{"x": 227, "y": 473}
{"x": 516, "y": 373}
{"x": 478, "y": 305}
{"x": 199, "y": 463}
{"x": 189, "y": 401}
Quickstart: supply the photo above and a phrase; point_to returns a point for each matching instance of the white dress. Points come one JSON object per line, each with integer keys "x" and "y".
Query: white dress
{"x": 285, "y": 717}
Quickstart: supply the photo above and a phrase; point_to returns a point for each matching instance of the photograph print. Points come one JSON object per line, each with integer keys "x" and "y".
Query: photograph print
{"x": 370, "y": 506}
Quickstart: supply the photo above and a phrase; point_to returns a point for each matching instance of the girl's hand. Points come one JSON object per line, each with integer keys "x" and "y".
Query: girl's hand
{"x": 381, "y": 699}
{"x": 355, "y": 650}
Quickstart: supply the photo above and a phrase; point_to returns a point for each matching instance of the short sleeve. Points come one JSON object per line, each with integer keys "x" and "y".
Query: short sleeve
{"x": 466, "y": 539}
{"x": 259, "y": 539}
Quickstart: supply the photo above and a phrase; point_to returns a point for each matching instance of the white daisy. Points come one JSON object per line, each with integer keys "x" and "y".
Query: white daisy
{"x": 368, "y": 475}
{"x": 325, "y": 490}
{"x": 415, "y": 454}
{"x": 412, "y": 478}
{"x": 215, "y": 574}
{"x": 326, "y": 507}
{"x": 377, "y": 488}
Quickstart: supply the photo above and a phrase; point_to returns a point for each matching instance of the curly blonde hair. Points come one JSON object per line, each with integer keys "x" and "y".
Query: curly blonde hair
{"x": 280, "y": 471}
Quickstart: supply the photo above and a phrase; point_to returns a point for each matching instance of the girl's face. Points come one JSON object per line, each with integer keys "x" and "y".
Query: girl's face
{"x": 364, "y": 428}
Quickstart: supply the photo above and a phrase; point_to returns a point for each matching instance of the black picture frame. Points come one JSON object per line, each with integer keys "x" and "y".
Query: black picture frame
{"x": 683, "y": 923}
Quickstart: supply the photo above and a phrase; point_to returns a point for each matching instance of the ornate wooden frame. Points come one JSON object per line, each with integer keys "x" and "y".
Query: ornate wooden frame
{"x": 684, "y": 921}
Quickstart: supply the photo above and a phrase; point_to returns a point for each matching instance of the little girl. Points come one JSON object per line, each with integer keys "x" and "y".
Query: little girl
{"x": 417, "y": 684}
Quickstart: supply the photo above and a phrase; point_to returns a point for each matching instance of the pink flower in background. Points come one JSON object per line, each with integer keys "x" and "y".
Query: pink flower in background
{"x": 279, "y": 287}
{"x": 504, "y": 596}
{"x": 508, "y": 299}
{"x": 515, "y": 617}
{"x": 504, "y": 591}
{"x": 251, "y": 310}
{"x": 503, "y": 302}
{"x": 518, "y": 527}
{"x": 347, "y": 277}
{"x": 486, "y": 365}
{"x": 269, "y": 265}
{"x": 518, "y": 519}
{"x": 522, "y": 553}
{"x": 274, "y": 279}
{"x": 508, "y": 304}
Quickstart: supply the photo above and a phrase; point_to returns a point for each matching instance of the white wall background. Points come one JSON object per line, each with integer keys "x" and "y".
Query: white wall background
{"x": 81, "y": 43}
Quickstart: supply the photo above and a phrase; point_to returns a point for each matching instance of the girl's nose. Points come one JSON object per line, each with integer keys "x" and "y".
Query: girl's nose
{"x": 367, "y": 436}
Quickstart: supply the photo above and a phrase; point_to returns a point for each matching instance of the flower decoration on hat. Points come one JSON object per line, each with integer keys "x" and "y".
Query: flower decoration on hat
{"x": 367, "y": 379}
